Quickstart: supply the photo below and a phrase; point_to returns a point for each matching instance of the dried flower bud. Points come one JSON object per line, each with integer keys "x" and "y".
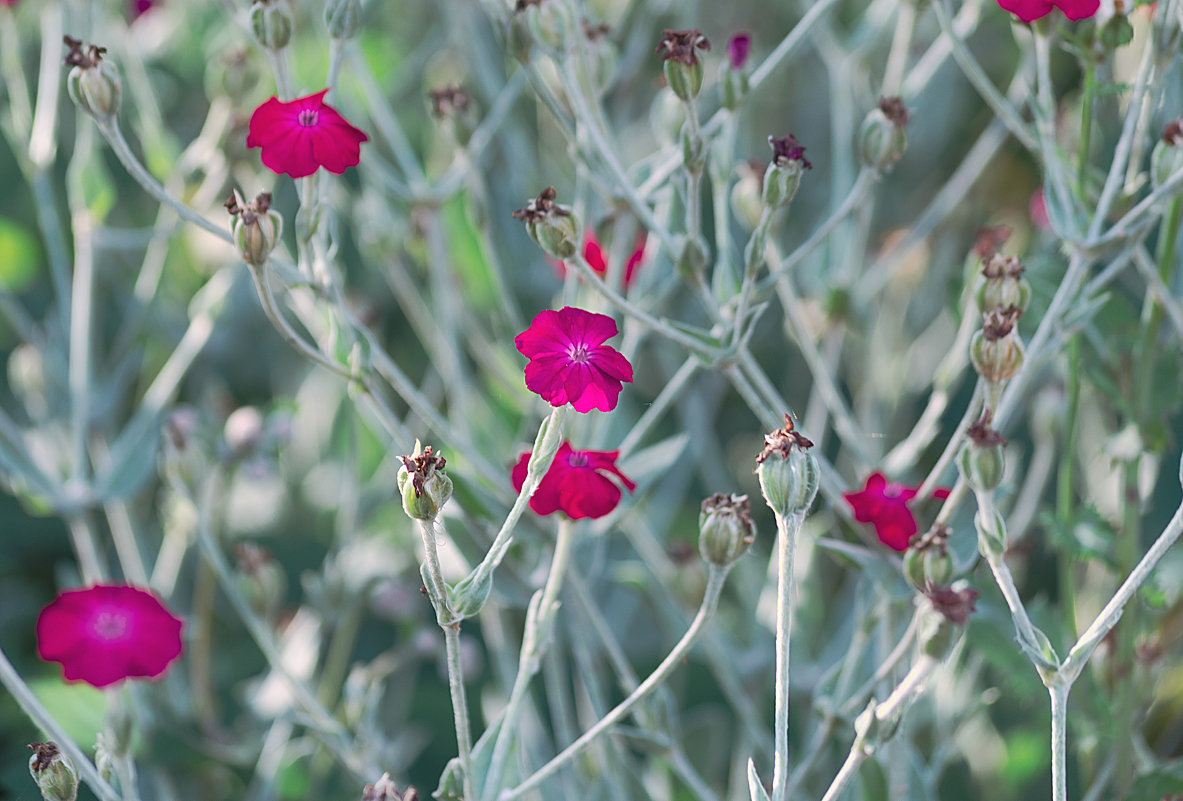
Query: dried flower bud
{"x": 996, "y": 351}
{"x": 883, "y": 137}
{"x": 1167, "y": 157}
{"x": 725, "y": 528}
{"x": 551, "y": 23}
{"x": 342, "y": 18}
{"x": 53, "y": 773}
{"x": 928, "y": 562}
{"x": 982, "y": 461}
{"x": 683, "y": 70}
{"x": 424, "y": 486}
{"x": 783, "y": 176}
{"x": 385, "y": 790}
{"x": 788, "y": 472}
{"x": 553, "y": 227}
{"x": 1001, "y": 284}
{"x": 93, "y": 82}
{"x": 955, "y": 605}
{"x": 256, "y": 227}
{"x": 271, "y": 23}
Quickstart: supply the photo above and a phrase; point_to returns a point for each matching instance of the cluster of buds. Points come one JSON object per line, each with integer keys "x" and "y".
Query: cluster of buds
{"x": 683, "y": 70}
{"x": 733, "y": 76}
{"x": 385, "y": 790}
{"x": 553, "y": 227}
{"x": 93, "y": 82}
{"x": 788, "y": 472}
{"x": 271, "y": 23}
{"x": 725, "y": 528}
{"x": 53, "y": 772}
{"x": 453, "y": 107}
{"x": 424, "y": 486}
{"x": 256, "y": 227}
{"x": 927, "y": 564}
{"x": 982, "y": 460}
{"x": 883, "y": 136}
{"x": 783, "y": 176}
{"x": 551, "y": 23}
{"x": 1167, "y": 157}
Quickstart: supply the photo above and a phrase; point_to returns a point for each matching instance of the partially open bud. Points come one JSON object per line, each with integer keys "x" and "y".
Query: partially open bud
{"x": 683, "y": 70}
{"x": 453, "y": 107}
{"x": 271, "y": 23}
{"x": 725, "y": 528}
{"x": 553, "y": 227}
{"x": 883, "y": 137}
{"x": 747, "y": 194}
{"x": 788, "y": 472}
{"x": 1001, "y": 284}
{"x": 342, "y": 18}
{"x": 733, "y": 76}
{"x": 93, "y": 83}
{"x": 424, "y": 486}
{"x": 996, "y": 351}
{"x": 256, "y": 227}
{"x": 783, "y": 176}
{"x": 385, "y": 790}
{"x": 982, "y": 460}
{"x": 1167, "y": 157}
{"x": 551, "y": 22}
{"x": 53, "y": 773}
{"x": 928, "y": 562}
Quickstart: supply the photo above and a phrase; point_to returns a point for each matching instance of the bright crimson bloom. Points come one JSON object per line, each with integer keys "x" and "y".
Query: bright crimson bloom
{"x": 884, "y": 504}
{"x": 1031, "y": 10}
{"x": 107, "y": 633}
{"x": 576, "y": 484}
{"x": 304, "y": 135}
{"x": 569, "y": 362}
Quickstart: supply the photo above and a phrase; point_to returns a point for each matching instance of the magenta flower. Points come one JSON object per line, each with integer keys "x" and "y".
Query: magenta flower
{"x": 577, "y": 483}
{"x": 593, "y": 254}
{"x": 569, "y": 362}
{"x": 1031, "y": 10}
{"x": 107, "y": 633}
{"x": 738, "y": 48}
{"x": 138, "y": 7}
{"x": 301, "y": 136}
{"x": 884, "y": 504}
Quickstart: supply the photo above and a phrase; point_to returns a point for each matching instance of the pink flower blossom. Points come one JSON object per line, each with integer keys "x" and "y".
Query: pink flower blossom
{"x": 107, "y": 633}
{"x": 884, "y": 504}
{"x": 569, "y": 362}
{"x": 738, "y": 49}
{"x": 303, "y": 135}
{"x": 593, "y": 254}
{"x": 577, "y": 483}
{"x": 1031, "y": 10}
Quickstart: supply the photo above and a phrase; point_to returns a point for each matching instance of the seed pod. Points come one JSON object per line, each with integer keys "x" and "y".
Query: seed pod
{"x": 93, "y": 83}
{"x": 783, "y": 177}
{"x": 53, "y": 773}
{"x": 256, "y": 228}
{"x": 883, "y": 138}
{"x": 552, "y": 226}
{"x": 425, "y": 488}
{"x": 788, "y": 472}
{"x": 725, "y": 528}
{"x": 683, "y": 70}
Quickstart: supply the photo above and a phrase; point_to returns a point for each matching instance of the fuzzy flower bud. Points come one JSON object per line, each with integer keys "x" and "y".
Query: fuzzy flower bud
{"x": 1167, "y": 157}
{"x": 551, "y": 23}
{"x": 683, "y": 70}
{"x": 93, "y": 83}
{"x": 1001, "y": 284}
{"x": 928, "y": 563}
{"x": 788, "y": 472}
{"x": 783, "y": 176}
{"x": 53, "y": 773}
{"x": 996, "y": 351}
{"x": 982, "y": 460}
{"x": 256, "y": 227}
{"x": 553, "y": 227}
{"x": 883, "y": 137}
{"x": 725, "y": 528}
{"x": 271, "y": 23}
{"x": 342, "y": 18}
{"x": 424, "y": 486}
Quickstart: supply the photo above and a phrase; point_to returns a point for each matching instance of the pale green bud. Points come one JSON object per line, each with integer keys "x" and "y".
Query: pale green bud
{"x": 425, "y": 488}
{"x": 551, "y": 22}
{"x": 783, "y": 176}
{"x": 927, "y": 562}
{"x": 747, "y": 201}
{"x": 1001, "y": 284}
{"x": 272, "y": 23}
{"x": 256, "y": 228}
{"x": 883, "y": 137}
{"x": 725, "y": 528}
{"x": 93, "y": 83}
{"x": 788, "y": 472}
{"x": 552, "y": 226}
{"x": 996, "y": 351}
{"x": 683, "y": 70}
{"x": 685, "y": 80}
{"x": 982, "y": 460}
{"x": 734, "y": 86}
{"x": 53, "y": 773}
{"x": 342, "y": 18}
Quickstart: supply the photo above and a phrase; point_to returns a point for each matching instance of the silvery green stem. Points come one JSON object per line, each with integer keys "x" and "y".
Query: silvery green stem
{"x": 43, "y": 137}
{"x": 670, "y": 391}
{"x": 846, "y": 773}
{"x": 706, "y": 610}
{"x": 1059, "y": 700}
{"x": 786, "y": 532}
{"x": 1045, "y": 126}
{"x": 267, "y": 299}
{"x": 897, "y": 56}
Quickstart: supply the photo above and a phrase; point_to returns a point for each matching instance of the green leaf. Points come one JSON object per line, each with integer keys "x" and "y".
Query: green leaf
{"x": 755, "y": 786}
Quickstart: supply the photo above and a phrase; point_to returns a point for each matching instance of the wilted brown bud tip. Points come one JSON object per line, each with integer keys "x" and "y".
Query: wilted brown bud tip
{"x": 422, "y": 467}
{"x": 894, "y": 109}
{"x": 783, "y": 441}
{"x": 735, "y": 504}
{"x": 999, "y": 266}
{"x": 990, "y": 239}
{"x": 448, "y": 100}
{"x": 955, "y": 605}
{"x": 786, "y": 149}
{"x": 982, "y": 435}
{"x": 936, "y": 538}
{"x": 681, "y": 45}
{"x": 1173, "y": 133}
{"x": 77, "y": 57}
{"x": 1000, "y": 322}
{"x": 541, "y": 207}
{"x": 43, "y": 755}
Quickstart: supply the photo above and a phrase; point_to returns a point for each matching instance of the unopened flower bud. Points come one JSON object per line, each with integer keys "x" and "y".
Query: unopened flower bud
{"x": 928, "y": 562}
{"x": 783, "y": 176}
{"x": 551, "y": 22}
{"x": 996, "y": 350}
{"x": 256, "y": 227}
{"x": 683, "y": 70}
{"x": 883, "y": 136}
{"x": 725, "y": 528}
{"x": 982, "y": 460}
{"x": 271, "y": 23}
{"x": 1001, "y": 284}
{"x": 342, "y": 18}
{"x": 93, "y": 82}
{"x": 788, "y": 472}
{"x": 747, "y": 194}
{"x": 1167, "y": 157}
{"x": 553, "y": 227}
{"x": 424, "y": 486}
{"x": 53, "y": 773}
{"x": 261, "y": 581}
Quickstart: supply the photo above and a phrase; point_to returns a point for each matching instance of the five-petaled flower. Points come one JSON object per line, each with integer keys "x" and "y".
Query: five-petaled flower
{"x": 303, "y": 135}
{"x": 884, "y": 504}
{"x": 1031, "y": 10}
{"x": 569, "y": 362}
{"x": 577, "y": 483}
{"x": 107, "y": 633}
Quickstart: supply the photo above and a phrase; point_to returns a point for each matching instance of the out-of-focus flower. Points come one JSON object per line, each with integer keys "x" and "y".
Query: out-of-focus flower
{"x": 593, "y": 254}
{"x": 107, "y": 633}
{"x": 884, "y": 504}
{"x": 138, "y": 7}
{"x": 577, "y": 483}
{"x": 569, "y": 362}
{"x": 738, "y": 49}
{"x": 1037, "y": 211}
{"x": 299, "y": 137}
{"x": 1031, "y": 10}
